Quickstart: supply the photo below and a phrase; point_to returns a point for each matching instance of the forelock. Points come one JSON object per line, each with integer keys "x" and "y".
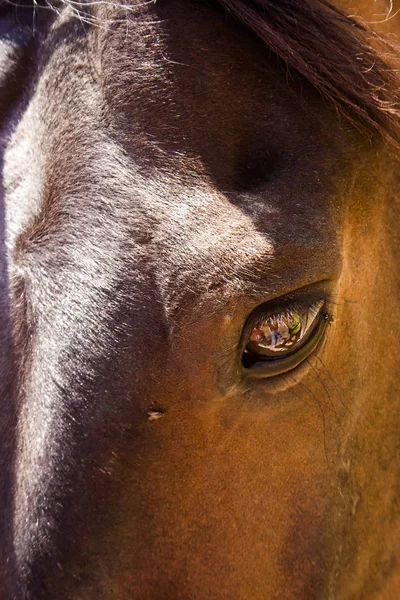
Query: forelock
{"x": 349, "y": 64}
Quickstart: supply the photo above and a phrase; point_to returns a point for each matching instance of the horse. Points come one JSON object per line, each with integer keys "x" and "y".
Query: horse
{"x": 199, "y": 300}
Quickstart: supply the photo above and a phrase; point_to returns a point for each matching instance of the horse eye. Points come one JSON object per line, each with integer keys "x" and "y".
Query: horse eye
{"x": 279, "y": 342}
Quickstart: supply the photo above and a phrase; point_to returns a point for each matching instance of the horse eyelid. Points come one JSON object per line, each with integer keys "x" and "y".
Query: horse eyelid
{"x": 271, "y": 367}
{"x": 277, "y": 367}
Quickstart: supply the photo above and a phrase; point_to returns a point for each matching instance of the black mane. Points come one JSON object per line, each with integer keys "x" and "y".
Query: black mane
{"x": 340, "y": 56}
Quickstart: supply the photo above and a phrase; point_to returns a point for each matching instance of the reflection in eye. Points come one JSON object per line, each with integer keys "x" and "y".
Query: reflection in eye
{"x": 279, "y": 335}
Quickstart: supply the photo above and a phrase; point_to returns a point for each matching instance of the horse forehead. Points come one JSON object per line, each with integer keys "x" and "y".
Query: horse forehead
{"x": 186, "y": 71}
{"x": 82, "y": 171}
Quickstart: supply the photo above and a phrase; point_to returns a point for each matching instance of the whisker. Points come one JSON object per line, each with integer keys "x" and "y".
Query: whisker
{"x": 340, "y": 393}
{"x": 322, "y": 415}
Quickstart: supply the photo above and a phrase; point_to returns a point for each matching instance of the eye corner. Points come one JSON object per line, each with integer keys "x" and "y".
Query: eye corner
{"x": 328, "y": 317}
